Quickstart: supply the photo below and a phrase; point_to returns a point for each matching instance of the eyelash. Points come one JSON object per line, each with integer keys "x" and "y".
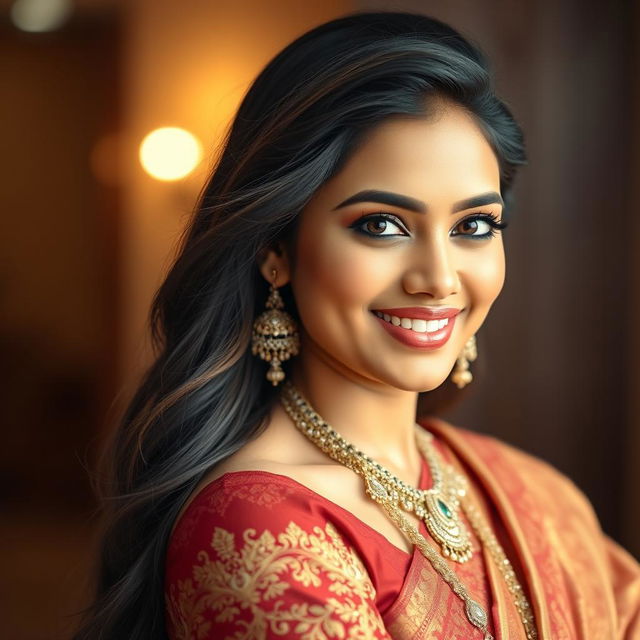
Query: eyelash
{"x": 492, "y": 220}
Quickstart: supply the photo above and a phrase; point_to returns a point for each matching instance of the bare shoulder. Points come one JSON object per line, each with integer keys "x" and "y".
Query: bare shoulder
{"x": 280, "y": 449}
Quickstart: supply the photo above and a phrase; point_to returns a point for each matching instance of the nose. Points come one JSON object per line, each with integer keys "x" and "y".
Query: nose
{"x": 433, "y": 270}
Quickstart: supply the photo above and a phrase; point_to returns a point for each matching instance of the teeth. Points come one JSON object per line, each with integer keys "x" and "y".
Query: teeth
{"x": 415, "y": 324}
{"x": 432, "y": 325}
{"x": 420, "y": 326}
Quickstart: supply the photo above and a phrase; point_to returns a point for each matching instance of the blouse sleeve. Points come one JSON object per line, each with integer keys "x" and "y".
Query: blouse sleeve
{"x": 246, "y": 563}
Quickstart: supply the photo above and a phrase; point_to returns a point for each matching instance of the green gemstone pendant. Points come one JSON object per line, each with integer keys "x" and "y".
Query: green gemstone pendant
{"x": 444, "y": 509}
{"x": 446, "y": 528}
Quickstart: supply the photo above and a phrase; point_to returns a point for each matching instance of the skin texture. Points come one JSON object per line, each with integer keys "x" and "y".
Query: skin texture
{"x": 360, "y": 379}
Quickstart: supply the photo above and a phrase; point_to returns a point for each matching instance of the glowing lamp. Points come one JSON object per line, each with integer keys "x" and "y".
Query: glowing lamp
{"x": 170, "y": 153}
{"x": 40, "y": 15}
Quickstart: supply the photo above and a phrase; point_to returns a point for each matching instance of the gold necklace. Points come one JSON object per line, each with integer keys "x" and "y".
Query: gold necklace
{"x": 328, "y": 440}
{"x": 437, "y": 507}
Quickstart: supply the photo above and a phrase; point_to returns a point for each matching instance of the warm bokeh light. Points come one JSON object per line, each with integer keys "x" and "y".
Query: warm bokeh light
{"x": 170, "y": 153}
{"x": 40, "y": 15}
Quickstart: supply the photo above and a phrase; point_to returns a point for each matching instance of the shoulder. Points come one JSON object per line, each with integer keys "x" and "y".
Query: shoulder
{"x": 515, "y": 468}
{"x": 255, "y": 551}
{"x": 492, "y": 449}
{"x": 261, "y": 494}
{"x": 239, "y": 500}
{"x": 558, "y": 525}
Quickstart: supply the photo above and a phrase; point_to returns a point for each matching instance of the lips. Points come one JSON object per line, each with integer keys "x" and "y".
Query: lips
{"x": 422, "y": 340}
{"x": 424, "y": 313}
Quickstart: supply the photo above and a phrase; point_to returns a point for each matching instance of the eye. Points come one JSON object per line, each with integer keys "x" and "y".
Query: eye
{"x": 479, "y": 226}
{"x": 378, "y": 225}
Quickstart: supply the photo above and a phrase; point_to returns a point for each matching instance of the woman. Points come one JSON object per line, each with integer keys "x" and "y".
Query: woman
{"x": 361, "y": 195}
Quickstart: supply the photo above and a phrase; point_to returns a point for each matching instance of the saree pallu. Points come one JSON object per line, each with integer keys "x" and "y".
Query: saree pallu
{"x": 259, "y": 555}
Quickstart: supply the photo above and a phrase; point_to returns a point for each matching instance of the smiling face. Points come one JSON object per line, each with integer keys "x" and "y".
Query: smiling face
{"x": 398, "y": 230}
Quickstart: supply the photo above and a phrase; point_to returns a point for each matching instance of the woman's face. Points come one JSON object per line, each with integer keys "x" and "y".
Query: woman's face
{"x": 397, "y": 230}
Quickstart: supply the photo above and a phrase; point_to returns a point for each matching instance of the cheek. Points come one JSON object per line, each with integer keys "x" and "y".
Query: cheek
{"x": 338, "y": 273}
{"x": 485, "y": 277}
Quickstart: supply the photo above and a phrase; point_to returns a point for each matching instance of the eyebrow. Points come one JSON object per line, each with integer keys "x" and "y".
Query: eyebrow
{"x": 412, "y": 204}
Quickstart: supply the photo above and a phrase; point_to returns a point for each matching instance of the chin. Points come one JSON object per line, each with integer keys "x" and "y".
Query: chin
{"x": 419, "y": 384}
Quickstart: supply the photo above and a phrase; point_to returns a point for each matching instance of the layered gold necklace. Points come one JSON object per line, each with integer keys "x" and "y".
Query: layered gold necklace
{"x": 438, "y": 507}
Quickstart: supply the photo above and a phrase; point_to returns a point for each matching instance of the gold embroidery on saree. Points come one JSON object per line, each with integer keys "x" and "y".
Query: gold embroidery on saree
{"x": 243, "y": 587}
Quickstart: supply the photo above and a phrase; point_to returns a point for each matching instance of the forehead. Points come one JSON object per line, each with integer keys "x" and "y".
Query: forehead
{"x": 443, "y": 157}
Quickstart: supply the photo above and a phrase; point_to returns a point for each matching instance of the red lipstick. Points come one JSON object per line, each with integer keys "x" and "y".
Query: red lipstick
{"x": 426, "y": 340}
{"x": 425, "y": 313}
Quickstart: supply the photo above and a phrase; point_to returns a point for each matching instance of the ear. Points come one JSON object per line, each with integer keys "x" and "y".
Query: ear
{"x": 275, "y": 258}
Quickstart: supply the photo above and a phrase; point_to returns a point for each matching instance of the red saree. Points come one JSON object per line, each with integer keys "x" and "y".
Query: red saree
{"x": 258, "y": 555}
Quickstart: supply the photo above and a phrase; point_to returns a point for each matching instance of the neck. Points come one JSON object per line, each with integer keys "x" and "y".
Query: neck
{"x": 376, "y": 418}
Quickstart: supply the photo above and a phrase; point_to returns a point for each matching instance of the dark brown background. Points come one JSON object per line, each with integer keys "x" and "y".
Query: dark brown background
{"x": 86, "y": 236}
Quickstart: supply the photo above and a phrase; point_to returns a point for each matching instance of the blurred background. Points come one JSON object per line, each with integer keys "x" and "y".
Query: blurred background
{"x": 93, "y": 206}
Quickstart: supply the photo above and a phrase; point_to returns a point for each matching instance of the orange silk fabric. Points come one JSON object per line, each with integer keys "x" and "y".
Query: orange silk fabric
{"x": 258, "y": 555}
{"x": 581, "y": 584}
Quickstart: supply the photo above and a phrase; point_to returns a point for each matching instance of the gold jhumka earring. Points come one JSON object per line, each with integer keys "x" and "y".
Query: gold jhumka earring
{"x": 275, "y": 334}
{"x": 461, "y": 375}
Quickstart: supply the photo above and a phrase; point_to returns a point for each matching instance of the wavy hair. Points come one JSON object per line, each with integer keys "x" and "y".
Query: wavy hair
{"x": 205, "y": 395}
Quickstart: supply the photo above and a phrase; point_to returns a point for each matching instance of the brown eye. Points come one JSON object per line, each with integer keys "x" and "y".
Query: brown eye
{"x": 379, "y": 225}
{"x": 468, "y": 226}
{"x": 479, "y": 226}
{"x": 376, "y": 226}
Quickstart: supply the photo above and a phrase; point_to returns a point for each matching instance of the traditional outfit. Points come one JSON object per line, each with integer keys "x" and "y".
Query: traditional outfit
{"x": 258, "y": 555}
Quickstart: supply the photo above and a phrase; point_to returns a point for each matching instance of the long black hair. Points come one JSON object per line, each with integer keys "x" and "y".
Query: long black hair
{"x": 205, "y": 395}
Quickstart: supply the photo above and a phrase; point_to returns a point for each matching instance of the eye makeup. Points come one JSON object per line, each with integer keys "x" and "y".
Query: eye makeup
{"x": 490, "y": 220}
{"x": 494, "y": 224}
